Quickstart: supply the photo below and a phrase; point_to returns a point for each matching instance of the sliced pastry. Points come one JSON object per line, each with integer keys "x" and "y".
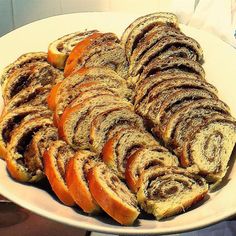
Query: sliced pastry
{"x": 209, "y": 147}
{"x": 103, "y": 126}
{"x": 25, "y": 60}
{"x": 76, "y": 180}
{"x": 13, "y": 119}
{"x": 137, "y": 29}
{"x": 120, "y": 147}
{"x": 40, "y": 73}
{"x": 59, "y": 50}
{"x": 75, "y": 122}
{"x": 167, "y": 191}
{"x": 112, "y": 195}
{"x": 98, "y": 49}
{"x": 143, "y": 159}
{"x": 56, "y": 158}
{"x": 20, "y": 139}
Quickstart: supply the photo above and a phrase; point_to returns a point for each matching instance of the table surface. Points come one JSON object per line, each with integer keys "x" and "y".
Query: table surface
{"x": 15, "y": 219}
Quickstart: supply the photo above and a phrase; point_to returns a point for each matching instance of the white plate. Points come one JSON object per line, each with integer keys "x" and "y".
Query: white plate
{"x": 220, "y": 70}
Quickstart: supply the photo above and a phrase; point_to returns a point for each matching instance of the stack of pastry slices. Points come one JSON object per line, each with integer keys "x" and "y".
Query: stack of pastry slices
{"x": 129, "y": 123}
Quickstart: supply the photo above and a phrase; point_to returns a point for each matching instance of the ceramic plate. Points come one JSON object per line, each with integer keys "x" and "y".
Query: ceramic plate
{"x": 220, "y": 70}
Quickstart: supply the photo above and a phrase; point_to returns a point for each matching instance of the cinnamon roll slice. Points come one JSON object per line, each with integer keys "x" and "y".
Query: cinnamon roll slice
{"x": 32, "y": 96}
{"x": 40, "y": 73}
{"x": 120, "y": 147}
{"x": 188, "y": 117}
{"x": 169, "y": 46}
{"x": 103, "y": 125}
{"x": 144, "y": 159}
{"x": 158, "y": 94}
{"x": 56, "y": 158}
{"x": 112, "y": 195}
{"x": 24, "y": 61}
{"x": 98, "y": 49}
{"x": 13, "y": 119}
{"x": 59, "y": 50}
{"x": 74, "y": 125}
{"x": 209, "y": 147}
{"x": 167, "y": 191}
{"x": 59, "y": 94}
{"x": 20, "y": 139}
{"x": 76, "y": 180}
{"x": 137, "y": 29}
{"x": 157, "y": 65}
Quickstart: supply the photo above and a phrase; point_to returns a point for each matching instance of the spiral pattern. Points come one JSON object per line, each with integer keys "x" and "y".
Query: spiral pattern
{"x": 165, "y": 191}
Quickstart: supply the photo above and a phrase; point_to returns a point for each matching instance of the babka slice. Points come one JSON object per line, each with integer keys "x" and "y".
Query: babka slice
{"x": 112, "y": 195}
{"x": 56, "y": 158}
{"x": 120, "y": 147}
{"x": 98, "y": 49}
{"x": 143, "y": 159}
{"x": 40, "y": 73}
{"x": 20, "y": 139}
{"x": 74, "y": 125}
{"x": 59, "y": 94}
{"x": 13, "y": 119}
{"x": 166, "y": 191}
{"x": 25, "y": 60}
{"x": 32, "y": 96}
{"x": 169, "y": 46}
{"x": 137, "y": 29}
{"x": 209, "y": 147}
{"x": 103, "y": 125}
{"x": 59, "y": 50}
{"x": 76, "y": 180}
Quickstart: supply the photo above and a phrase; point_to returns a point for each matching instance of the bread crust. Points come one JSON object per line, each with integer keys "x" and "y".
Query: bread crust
{"x": 113, "y": 206}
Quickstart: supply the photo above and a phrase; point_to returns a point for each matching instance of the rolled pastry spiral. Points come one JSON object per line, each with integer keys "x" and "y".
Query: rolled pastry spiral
{"x": 166, "y": 191}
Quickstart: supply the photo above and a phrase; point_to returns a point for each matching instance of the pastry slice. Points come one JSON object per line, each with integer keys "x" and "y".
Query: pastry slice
{"x": 209, "y": 147}
{"x": 40, "y": 73}
{"x": 73, "y": 117}
{"x": 143, "y": 159}
{"x": 157, "y": 65}
{"x": 59, "y": 94}
{"x": 98, "y": 50}
{"x": 59, "y": 50}
{"x": 32, "y": 96}
{"x": 20, "y": 139}
{"x": 103, "y": 125}
{"x": 159, "y": 93}
{"x": 167, "y": 191}
{"x": 76, "y": 180}
{"x": 25, "y": 60}
{"x": 13, "y": 119}
{"x": 120, "y": 147}
{"x": 169, "y": 46}
{"x": 56, "y": 158}
{"x": 138, "y": 28}
{"x": 112, "y": 195}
